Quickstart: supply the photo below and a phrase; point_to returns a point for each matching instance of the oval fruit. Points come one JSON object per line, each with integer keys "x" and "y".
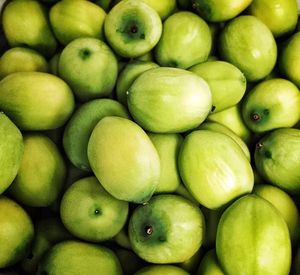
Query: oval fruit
{"x": 35, "y": 100}
{"x": 11, "y": 151}
{"x": 252, "y": 236}
{"x": 124, "y": 159}
{"x": 214, "y": 168}
{"x": 169, "y": 100}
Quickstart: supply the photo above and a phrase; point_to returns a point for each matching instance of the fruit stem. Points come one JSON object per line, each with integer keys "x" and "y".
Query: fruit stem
{"x": 255, "y": 117}
{"x": 134, "y": 29}
{"x": 149, "y": 230}
{"x": 258, "y": 145}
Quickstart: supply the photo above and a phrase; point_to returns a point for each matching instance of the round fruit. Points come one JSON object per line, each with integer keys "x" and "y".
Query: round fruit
{"x": 161, "y": 269}
{"x": 169, "y": 100}
{"x": 253, "y": 238}
{"x": 209, "y": 265}
{"x": 90, "y": 213}
{"x": 16, "y": 232}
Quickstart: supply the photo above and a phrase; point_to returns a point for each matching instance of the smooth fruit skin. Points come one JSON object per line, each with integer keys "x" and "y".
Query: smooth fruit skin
{"x": 219, "y": 10}
{"x": 188, "y": 45}
{"x": 271, "y": 104}
{"x": 124, "y": 159}
{"x": 77, "y": 258}
{"x": 161, "y": 270}
{"x": 214, "y": 168}
{"x": 74, "y": 19}
{"x": 167, "y": 146}
{"x": 226, "y": 82}
{"x": 16, "y": 232}
{"x": 25, "y": 23}
{"x": 90, "y": 213}
{"x": 209, "y": 264}
{"x": 279, "y": 15}
{"x": 79, "y": 128}
{"x": 284, "y": 204}
{"x": 169, "y": 100}
{"x": 90, "y": 67}
{"x": 217, "y": 127}
{"x": 277, "y": 158}
{"x": 132, "y": 28}
{"x": 41, "y": 175}
{"x": 252, "y": 236}
{"x": 247, "y": 43}
{"x": 289, "y": 59}
{"x": 36, "y": 101}
{"x": 20, "y": 59}
{"x": 168, "y": 229}
{"x": 163, "y": 8}
{"x": 128, "y": 75}
{"x": 11, "y": 151}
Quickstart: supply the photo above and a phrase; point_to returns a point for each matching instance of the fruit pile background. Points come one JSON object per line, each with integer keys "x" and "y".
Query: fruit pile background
{"x": 149, "y": 137}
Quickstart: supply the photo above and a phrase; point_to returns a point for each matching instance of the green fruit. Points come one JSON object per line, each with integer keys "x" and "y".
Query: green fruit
{"x": 90, "y": 213}
{"x": 214, "y": 168}
{"x": 132, "y": 28}
{"x": 277, "y": 158}
{"x": 284, "y": 204}
{"x": 253, "y": 238}
{"x": 122, "y": 238}
{"x": 42, "y": 172}
{"x": 209, "y": 265}
{"x": 232, "y": 119}
{"x": 227, "y": 83}
{"x": 280, "y": 16}
{"x": 73, "y": 19}
{"x": 22, "y": 60}
{"x": 11, "y": 151}
{"x": 167, "y": 146}
{"x": 247, "y": 43}
{"x": 191, "y": 264}
{"x": 188, "y": 45}
{"x": 53, "y": 63}
{"x": 25, "y": 23}
{"x": 219, "y": 10}
{"x": 90, "y": 67}
{"x": 272, "y": 104}
{"x": 104, "y": 4}
{"x": 289, "y": 59}
{"x": 48, "y": 232}
{"x": 125, "y": 79}
{"x": 169, "y": 100}
{"x": 161, "y": 270}
{"x": 130, "y": 262}
{"x": 168, "y": 229}
{"x": 182, "y": 191}
{"x": 79, "y": 128}
{"x": 124, "y": 159}
{"x": 16, "y": 232}
{"x": 36, "y": 101}
{"x": 163, "y": 8}
{"x": 217, "y": 127}
{"x": 78, "y": 258}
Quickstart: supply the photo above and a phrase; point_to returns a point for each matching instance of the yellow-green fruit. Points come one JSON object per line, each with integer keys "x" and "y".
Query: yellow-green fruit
{"x": 161, "y": 270}
{"x": 124, "y": 159}
{"x": 78, "y": 258}
{"x": 90, "y": 213}
{"x": 188, "y": 45}
{"x": 163, "y": 8}
{"x": 53, "y": 63}
{"x": 289, "y": 59}
{"x": 272, "y": 104}
{"x": 167, "y": 146}
{"x": 11, "y": 151}
{"x": 25, "y": 23}
{"x": 209, "y": 265}
{"x": 284, "y": 204}
{"x": 253, "y": 238}
{"x": 214, "y": 168}
{"x": 247, "y": 43}
{"x": 22, "y": 60}
{"x": 35, "y": 100}
{"x": 226, "y": 82}
{"x": 74, "y": 19}
{"x": 42, "y": 172}
{"x": 220, "y": 10}
{"x": 169, "y": 100}
{"x": 280, "y": 16}
{"x": 16, "y": 232}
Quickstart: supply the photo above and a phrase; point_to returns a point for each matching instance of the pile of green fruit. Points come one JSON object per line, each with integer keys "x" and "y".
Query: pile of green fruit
{"x": 150, "y": 137}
